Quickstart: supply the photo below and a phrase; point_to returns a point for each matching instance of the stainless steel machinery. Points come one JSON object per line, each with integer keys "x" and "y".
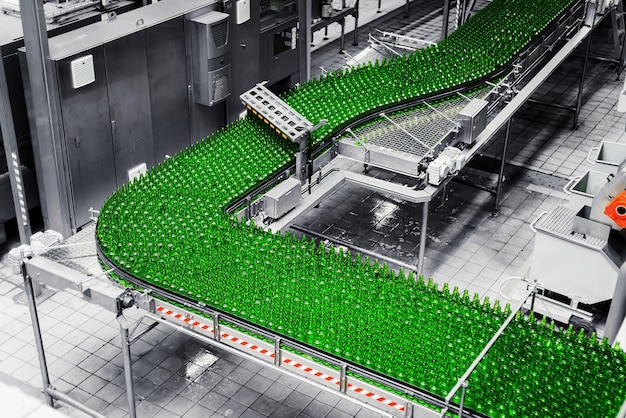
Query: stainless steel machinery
{"x": 580, "y": 254}
{"x": 429, "y": 144}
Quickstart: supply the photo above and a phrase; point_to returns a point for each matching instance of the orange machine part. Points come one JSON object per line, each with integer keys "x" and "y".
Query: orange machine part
{"x": 616, "y": 210}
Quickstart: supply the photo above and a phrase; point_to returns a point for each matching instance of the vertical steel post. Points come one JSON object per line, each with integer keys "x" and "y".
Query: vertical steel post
{"x": 302, "y": 160}
{"x": 355, "y": 42}
{"x": 581, "y": 85}
{"x": 446, "y": 18}
{"x": 420, "y": 258}
{"x": 128, "y": 371}
{"x": 460, "y": 6}
{"x": 343, "y": 378}
{"x": 277, "y": 357}
{"x": 463, "y": 390}
{"x": 304, "y": 39}
{"x": 617, "y": 311}
{"x": 32, "y": 307}
{"x": 46, "y": 127}
{"x": 14, "y": 166}
{"x": 496, "y": 203}
{"x": 342, "y": 47}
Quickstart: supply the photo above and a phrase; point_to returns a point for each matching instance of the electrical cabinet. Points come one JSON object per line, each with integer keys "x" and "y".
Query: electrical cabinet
{"x": 124, "y": 96}
{"x": 210, "y": 59}
{"x": 472, "y": 120}
{"x": 282, "y": 198}
{"x": 88, "y": 138}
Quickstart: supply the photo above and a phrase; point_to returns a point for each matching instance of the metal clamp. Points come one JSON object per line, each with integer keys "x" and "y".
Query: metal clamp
{"x": 216, "y": 326}
{"x": 568, "y": 187}
{"x": 343, "y": 378}
{"x": 589, "y": 155}
{"x": 94, "y": 214}
{"x": 277, "y": 359}
{"x": 124, "y": 301}
{"x": 532, "y": 224}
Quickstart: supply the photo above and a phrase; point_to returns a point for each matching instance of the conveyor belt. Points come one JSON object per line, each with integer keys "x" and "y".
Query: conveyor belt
{"x": 275, "y": 281}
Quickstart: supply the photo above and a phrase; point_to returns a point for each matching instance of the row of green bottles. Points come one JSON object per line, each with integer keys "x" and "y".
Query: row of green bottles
{"x": 483, "y": 45}
{"x": 169, "y": 229}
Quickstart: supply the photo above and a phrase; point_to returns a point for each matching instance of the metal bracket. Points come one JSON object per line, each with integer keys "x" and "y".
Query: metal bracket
{"x": 590, "y": 13}
{"x": 124, "y": 300}
{"x": 94, "y": 214}
{"x": 343, "y": 379}
{"x": 216, "y": 326}
{"x": 277, "y": 359}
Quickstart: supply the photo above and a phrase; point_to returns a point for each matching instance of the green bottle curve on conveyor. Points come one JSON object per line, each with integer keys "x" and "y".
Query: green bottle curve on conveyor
{"x": 169, "y": 229}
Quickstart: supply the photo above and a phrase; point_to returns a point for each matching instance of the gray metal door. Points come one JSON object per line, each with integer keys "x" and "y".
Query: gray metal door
{"x": 245, "y": 58}
{"x": 165, "y": 45}
{"x": 129, "y": 103}
{"x": 86, "y": 122}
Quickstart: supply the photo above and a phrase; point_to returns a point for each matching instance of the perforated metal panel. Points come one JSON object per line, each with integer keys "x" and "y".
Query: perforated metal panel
{"x": 423, "y": 123}
{"x": 220, "y": 85}
{"x": 210, "y": 32}
{"x": 220, "y": 33}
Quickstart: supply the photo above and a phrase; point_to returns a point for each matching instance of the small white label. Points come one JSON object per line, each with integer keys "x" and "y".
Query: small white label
{"x": 137, "y": 171}
{"x": 243, "y": 11}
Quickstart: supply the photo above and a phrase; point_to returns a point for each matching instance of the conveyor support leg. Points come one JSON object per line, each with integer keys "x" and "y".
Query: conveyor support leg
{"x": 581, "y": 85}
{"x": 446, "y": 18}
{"x": 505, "y": 149}
{"x": 128, "y": 368}
{"x": 420, "y": 259}
{"x": 32, "y": 307}
{"x": 355, "y": 42}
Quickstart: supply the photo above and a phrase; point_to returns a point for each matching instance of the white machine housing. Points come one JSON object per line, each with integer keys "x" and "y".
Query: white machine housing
{"x": 579, "y": 261}
{"x": 449, "y": 161}
{"x": 282, "y": 198}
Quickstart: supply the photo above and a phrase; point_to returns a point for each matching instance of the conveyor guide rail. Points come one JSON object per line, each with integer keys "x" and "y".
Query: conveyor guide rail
{"x": 276, "y": 113}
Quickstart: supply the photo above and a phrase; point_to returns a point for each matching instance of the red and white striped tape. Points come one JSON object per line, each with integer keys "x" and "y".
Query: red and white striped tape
{"x": 352, "y": 387}
{"x": 208, "y": 328}
{"x": 293, "y": 363}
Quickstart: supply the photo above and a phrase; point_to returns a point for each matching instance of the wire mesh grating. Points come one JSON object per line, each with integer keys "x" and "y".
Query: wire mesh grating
{"x": 411, "y": 131}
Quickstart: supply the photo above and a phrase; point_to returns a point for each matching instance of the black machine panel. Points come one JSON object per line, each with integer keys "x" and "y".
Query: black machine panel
{"x": 245, "y": 56}
{"x": 86, "y": 122}
{"x": 165, "y": 48}
{"x": 129, "y": 102}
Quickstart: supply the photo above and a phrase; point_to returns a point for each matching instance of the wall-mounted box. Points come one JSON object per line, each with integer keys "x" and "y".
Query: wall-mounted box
{"x": 210, "y": 58}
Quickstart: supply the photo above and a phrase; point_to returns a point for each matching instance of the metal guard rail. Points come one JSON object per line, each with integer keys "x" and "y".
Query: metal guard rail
{"x": 288, "y": 342}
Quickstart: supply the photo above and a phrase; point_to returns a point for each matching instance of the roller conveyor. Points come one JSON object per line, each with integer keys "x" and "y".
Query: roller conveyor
{"x": 400, "y": 143}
